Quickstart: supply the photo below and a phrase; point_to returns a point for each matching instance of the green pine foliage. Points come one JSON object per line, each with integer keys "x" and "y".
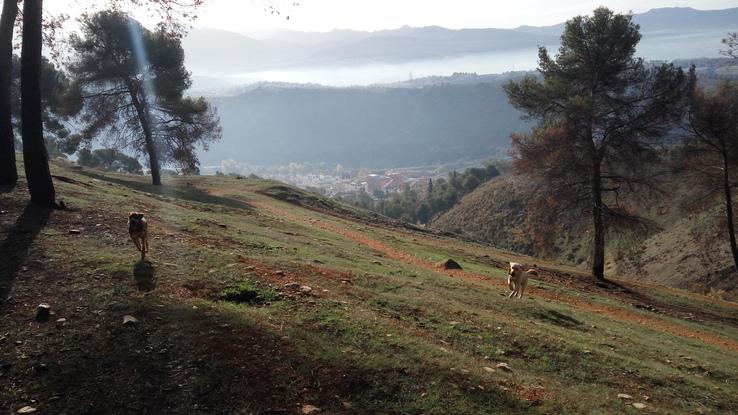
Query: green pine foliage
{"x": 410, "y": 205}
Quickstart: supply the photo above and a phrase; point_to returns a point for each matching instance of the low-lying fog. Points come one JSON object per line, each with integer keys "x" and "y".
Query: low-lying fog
{"x": 379, "y": 72}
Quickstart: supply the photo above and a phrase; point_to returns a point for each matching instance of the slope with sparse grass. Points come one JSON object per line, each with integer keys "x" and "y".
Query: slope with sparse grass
{"x": 250, "y": 304}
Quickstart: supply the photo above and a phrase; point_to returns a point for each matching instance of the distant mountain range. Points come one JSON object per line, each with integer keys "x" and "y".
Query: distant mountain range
{"x": 668, "y": 33}
{"x": 416, "y": 121}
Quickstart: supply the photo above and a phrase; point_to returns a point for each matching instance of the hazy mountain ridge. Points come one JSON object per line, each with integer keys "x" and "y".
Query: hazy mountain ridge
{"x": 429, "y": 120}
{"x": 419, "y": 121}
{"x": 288, "y": 49}
{"x": 381, "y": 126}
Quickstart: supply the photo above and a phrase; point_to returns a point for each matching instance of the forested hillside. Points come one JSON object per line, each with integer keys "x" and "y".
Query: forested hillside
{"x": 371, "y": 127}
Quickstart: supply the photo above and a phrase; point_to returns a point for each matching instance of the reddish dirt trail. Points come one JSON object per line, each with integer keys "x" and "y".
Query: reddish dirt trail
{"x": 613, "y": 312}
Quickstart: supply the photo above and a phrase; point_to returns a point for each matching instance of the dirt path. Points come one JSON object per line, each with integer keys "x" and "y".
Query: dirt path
{"x": 613, "y": 312}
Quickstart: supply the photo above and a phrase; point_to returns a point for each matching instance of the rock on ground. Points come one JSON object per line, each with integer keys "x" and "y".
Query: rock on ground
{"x": 450, "y": 264}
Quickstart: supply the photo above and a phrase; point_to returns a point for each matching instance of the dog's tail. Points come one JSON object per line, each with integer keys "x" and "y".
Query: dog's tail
{"x": 532, "y": 272}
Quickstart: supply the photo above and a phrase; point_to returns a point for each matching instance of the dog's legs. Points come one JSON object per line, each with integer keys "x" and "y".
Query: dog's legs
{"x": 137, "y": 243}
{"x": 146, "y": 243}
{"x": 523, "y": 284}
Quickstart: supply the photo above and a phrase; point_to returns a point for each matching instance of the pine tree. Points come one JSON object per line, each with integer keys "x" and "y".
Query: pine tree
{"x": 8, "y": 171}
{"x": 711, "y": 150}
{"x": 132, "y": 84}
{"x": 35, "y": 157}
{"x": 602, "y": 115}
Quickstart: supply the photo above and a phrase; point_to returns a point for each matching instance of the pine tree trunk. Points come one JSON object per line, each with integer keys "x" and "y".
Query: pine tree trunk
{"x": 36, "y": 159}
{"x": 143, "y": 118}
{"x": 8, "y": 171}
{"x": 153, "y": 159}
{"x": 729, "y": 211}
{"x": 598, "y": 253}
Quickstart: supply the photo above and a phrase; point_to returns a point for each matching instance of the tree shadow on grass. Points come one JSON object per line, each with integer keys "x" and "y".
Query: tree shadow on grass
{"x": 143, "y": 273}
{"x": 181, "y": 359}
{"x": 191, "y": 194}
{"x": 17, "y": 244}
{"x": 6, "y": 188}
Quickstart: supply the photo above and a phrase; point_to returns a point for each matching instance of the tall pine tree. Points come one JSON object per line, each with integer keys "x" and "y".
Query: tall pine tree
{"x": 8, "y": 172}
{"x": 132, "y": 84}
{"x": 35, "y": 157}
{"x": 602, "y": 115}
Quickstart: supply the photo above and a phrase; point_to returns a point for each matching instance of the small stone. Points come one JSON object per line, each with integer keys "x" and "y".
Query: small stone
{"x": 75, "y": 231}
{"x": 129, "y": 320}
{"x": 61, "y": 321}
{"x": 504, "y": 366}
{"x": 310, "y": 409}
{"x": 43, "y": 312}
{"x": 305, "y": 289}
{"x": 27, "y": 410}
{"x": 489, "y": 369}
{"x": 279, "y": 273}
{"x": 587, "y": 352}
{"x": 449, "y": 264}
{"x": 638, "y": 405}
{"x": 624, "y": 396}
{"x": 24, "y": 269}
{"x": 292, "y": 286}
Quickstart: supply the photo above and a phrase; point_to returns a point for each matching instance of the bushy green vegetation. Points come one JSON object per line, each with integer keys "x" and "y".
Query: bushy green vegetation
{"x": 109, "y": 159}
{"x": 420, "y": 206}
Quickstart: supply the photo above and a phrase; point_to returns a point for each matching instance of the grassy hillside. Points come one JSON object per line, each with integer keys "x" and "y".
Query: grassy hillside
{"x": 685, "y": 250}
{"x": 226, "y": 322}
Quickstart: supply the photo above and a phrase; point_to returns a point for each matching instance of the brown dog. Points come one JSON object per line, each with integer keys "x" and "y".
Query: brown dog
{"x": 138, "y": 229}
{"x": 517, "y": 279}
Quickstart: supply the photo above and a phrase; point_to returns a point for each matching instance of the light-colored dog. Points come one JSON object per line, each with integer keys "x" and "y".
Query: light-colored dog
{"x": 138, "y": 229}
{"x": 517, "y": 279}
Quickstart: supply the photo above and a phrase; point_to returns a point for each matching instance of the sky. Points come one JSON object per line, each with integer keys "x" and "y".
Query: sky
{"x": 325, "y": 15}
{"x": 247, "y": 16}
